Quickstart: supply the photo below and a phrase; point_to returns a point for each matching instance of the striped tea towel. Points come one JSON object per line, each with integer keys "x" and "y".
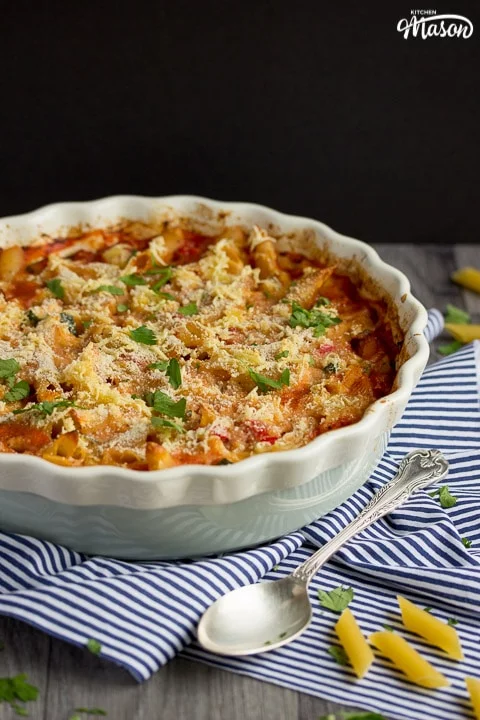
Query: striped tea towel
{"x": 143, "y": 614}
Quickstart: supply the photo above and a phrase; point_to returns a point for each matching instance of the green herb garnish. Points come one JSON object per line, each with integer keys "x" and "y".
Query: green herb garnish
{"x": 331, "y": 368}
{"x": 337, "y": 599}
{"x": 166, "y": 296}
{"x": 450, "y": 348}
{"x": 281, "y": 355}
{"x": 323, "y": 301}
{"x": 427, "y": 609}
{"x": 32, "y": 318}
{"x": 55, "y": 287}
{"x": 122, "y": 308}
{"x": 388, "y": 627}
{"x": 19, "y": 391}
{"x": 69, "y": 322}
{"x": 132, "y": 280}
{"x": 94, "y": 646}
{"x": 456, "y": 316}
{"x": 163, "y": 404}
{"x": 446, "y": 499}
{"x": 46, "y": 407}
{"x": 315, "y": 319}
{"x": 17, "y": 689}
{"x": 190, "y": 309}
{"x": 266, "y": 384}
{"x": 224, "y": 461}
{"x": 338, "y": 654}
{"x": 452, "y": 622}
{"x": 143, "y": 335}
{"x": 88, "y": 711}
{"x": 112, "y": 289}
{"x": 467, "y": 543}
{"x": 8, "y": 368}
{"x": 161, "y": 422}
{"x": 165, "y": 276}
{"x": 171, "y": 368}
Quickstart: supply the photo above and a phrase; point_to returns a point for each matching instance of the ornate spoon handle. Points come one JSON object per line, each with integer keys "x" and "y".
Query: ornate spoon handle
{"x": 417, "y": 470}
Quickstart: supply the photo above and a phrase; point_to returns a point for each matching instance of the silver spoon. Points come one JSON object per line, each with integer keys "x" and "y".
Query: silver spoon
{"x": 267, "y": 615}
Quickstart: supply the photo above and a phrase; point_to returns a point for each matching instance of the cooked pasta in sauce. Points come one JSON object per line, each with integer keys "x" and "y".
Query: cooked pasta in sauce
{"x": 153, "y": 347}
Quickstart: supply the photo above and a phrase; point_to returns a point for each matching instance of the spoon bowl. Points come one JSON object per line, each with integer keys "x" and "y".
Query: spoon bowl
{"x": 267, "y": 615}
{"x": 256, "y": 618}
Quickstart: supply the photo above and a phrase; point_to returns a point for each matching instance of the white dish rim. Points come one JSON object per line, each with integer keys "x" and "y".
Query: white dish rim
{"x": 76, "y": 485}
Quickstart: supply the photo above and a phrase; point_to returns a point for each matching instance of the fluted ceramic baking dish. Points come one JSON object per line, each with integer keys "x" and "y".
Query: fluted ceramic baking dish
{"x": 192, "y": 510}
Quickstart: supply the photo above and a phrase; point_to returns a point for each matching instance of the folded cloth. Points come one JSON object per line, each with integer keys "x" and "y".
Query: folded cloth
{"x": 143, "y": 614}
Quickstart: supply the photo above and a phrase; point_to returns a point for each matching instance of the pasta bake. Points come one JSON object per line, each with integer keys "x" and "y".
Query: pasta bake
{"x": 153, "y": 346}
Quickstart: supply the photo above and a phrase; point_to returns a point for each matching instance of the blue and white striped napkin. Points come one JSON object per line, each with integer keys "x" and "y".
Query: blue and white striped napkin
{"x": 143, "y": 614}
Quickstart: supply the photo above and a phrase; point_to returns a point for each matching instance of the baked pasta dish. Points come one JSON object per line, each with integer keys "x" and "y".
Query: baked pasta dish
{"x": 153, "y": 346}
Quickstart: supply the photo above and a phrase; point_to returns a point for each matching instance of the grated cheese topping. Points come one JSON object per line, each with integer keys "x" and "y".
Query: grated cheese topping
{"x": 148, "y": 347}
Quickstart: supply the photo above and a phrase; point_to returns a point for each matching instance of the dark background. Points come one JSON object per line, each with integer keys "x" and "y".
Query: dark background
{"x": 316, "y": 108}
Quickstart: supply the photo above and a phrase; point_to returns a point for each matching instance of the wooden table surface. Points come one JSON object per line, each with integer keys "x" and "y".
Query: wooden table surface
{"x": 69, "y": 677}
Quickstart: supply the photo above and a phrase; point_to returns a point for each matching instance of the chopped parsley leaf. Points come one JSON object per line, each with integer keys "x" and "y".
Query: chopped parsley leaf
{"x": 143, "y": 335}
{"x": 450, "y": 348}
{"x": 32, "y": 318}
{"x": 190, "y": 309}
{"x": 161, "y": 422}
{"x": 174, "y": 374}
{"x": 90, "y": 711}
{"x": 132, "y": 280}
{"x": 338, "y": 654}
{"x": 280, "y": 355}
{"x": 388, "y": 627}
{"x": 427, "y": 609}
{"x": 311, "y": 360}
{"x": 165, "y": 274}
{"x": 122, "y": 308}
{"x": 163, "y": 404}
{"x": 55, "y": 287}
{"x": 452, "y": 622}
{"x": 323, "y": 301}
{"x": 171, "y": 368}
{"x": 315, "y": 319}
{"x": 69, "y": 322}
{"x": 467, "y": 543}
{"x": 46, "y": 407}
{"x": 112, "y": 289}
{"x": 94, "y": 646}
{"x": 446, "y": 499}
{"x": 167, "y": 296}
{"x": 337, "y": 599}
{"x": 224, "y": 461}
{"x": 456, "y": 316}
{"x": 330, "y": 368}
{"x": 19, "y": 391}
{"x": 14, "y": 689}
{"x": 8, "y": 368}
{"x": 86, "y": 324}
{"x": 266, "y": 384}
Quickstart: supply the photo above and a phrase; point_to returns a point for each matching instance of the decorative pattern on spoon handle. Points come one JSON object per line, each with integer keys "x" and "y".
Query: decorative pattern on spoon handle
{"x": 416, "y": 471}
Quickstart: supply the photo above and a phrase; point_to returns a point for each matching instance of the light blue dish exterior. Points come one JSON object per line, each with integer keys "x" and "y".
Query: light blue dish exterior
{"x": 188, "y": 531}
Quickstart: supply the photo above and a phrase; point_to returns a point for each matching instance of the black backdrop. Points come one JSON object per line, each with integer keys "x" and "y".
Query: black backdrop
{"x": 317, "y": 108}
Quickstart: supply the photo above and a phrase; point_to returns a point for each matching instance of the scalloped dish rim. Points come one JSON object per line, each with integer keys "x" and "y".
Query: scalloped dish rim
{"x": 230, "y": 483}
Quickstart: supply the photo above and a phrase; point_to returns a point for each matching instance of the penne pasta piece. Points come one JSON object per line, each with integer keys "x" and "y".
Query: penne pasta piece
{"x": 307, "y": 289}
{"x": 430, "y": 628}
{"x": 12, "y": 260}
{"x": 463, "y": 333}
{"x": 358, "y": 650}
{"x": 468, "y": 277}
{"x": 157, "y": 457}
{"x": 473, "y": 687}
{"x": 408, "y": 660}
